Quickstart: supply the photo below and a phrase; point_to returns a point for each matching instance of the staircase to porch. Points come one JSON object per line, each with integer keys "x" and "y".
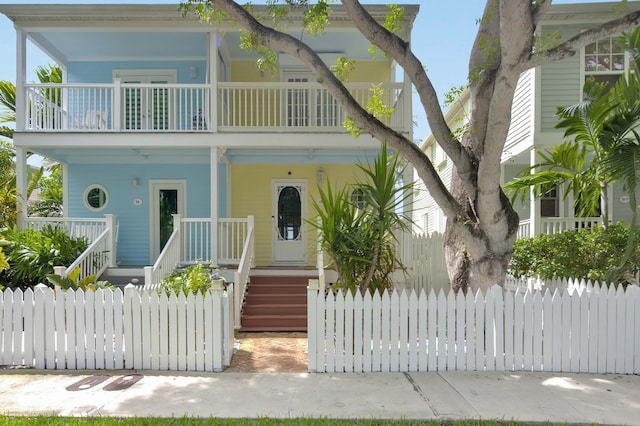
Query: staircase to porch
{"x": 276, "y": 301}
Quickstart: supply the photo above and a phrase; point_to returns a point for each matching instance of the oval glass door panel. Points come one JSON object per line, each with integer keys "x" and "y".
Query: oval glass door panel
{"x": 289, "y": 213}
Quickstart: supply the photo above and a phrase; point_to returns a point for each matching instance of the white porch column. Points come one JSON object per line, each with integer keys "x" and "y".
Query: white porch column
{"x": 21, "y": 186}
{"x": 112, "y": 244}
{"x": 535, "y": 220}
{"x": 212, "y": 76}
{"x": 214, "y": 204}
{"x": 65, "y": 189}
{"x": 21, "y": 75}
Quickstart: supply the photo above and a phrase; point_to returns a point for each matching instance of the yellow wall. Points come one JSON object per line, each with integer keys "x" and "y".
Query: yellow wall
{"x": 251, "y": 195}
{"x": 365, "y": 71}
{"x": 371, "y": 71}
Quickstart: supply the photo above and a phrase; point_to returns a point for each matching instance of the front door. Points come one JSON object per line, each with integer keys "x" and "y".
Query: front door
{"x": 288, "y": 222}
{"x": 167, "y": 198}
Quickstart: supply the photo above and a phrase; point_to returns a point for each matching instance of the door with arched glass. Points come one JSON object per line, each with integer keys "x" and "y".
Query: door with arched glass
{"x": 288, "y": 222}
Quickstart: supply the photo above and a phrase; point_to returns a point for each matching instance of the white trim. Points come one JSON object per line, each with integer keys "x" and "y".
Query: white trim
{"x": 64, "y": 168}
{"x": 171, "y": 74}
{"x": 154, "y": 186}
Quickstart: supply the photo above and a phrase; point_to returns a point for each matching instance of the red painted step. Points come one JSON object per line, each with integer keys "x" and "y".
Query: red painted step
{"x": 275, "y": 303}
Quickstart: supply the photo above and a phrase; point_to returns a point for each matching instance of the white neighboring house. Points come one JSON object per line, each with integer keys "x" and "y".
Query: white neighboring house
{"x": 540, "y": 91}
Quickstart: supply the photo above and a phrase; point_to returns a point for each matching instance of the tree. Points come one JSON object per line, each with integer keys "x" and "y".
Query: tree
{"x": 51, "y": 186}
{"x": 481, "y": 222}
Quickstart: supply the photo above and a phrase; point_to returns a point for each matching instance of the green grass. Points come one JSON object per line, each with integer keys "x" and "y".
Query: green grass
{"x": 189, "y": 421}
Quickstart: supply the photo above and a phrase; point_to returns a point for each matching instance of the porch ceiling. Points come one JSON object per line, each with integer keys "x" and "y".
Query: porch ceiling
{"x": 139, "y": 156}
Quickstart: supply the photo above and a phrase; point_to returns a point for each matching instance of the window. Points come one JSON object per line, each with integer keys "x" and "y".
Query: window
{"x": 605, "y": 61}
{"x": 95, "y": 197}
{"x": 357, "y": 198}
{"x": 549, "y": 204}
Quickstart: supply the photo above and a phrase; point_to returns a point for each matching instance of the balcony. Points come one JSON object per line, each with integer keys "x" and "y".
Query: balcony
{"x": 238, "y": 107}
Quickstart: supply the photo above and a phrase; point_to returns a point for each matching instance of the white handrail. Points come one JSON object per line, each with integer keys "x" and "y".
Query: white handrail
{"x": 89, "y": 228}
{"x": 167, "y": 261}
{"x": 94, "y": 260}
{"x": 241, "y": 276}
{"x": 320, "y": 260}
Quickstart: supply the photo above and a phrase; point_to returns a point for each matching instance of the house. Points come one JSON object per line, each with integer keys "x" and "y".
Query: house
{"x": 539, "y": 92}
{"x": 161, "y": 115}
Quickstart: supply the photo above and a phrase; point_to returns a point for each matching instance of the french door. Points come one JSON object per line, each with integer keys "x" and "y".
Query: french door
{"x": 146, "y": 108}
{"x": 306, "y": 107}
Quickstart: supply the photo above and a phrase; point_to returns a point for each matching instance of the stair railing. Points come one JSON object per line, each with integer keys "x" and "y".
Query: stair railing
{"x": 169, "y": 257}
{"x": 320, "y": 260}
{"x": 241, "y": 276}
{"x": 93, "y": 261}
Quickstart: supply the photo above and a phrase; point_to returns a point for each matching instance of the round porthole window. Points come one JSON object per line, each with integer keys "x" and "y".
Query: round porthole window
{"x": 96, "y": 197}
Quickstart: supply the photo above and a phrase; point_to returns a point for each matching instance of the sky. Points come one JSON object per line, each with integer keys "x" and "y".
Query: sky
{"x": 442, "y": 36}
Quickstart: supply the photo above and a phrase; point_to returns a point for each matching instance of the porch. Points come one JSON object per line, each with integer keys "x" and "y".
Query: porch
{"x": 200, "y": 108}
{"x": 551, "y": 225}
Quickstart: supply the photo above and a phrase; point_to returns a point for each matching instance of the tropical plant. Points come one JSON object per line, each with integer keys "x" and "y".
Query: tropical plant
{"x": 49, "y": 200}
{"x": 194, "y": 279}
{"x": 584, "y": 254}
{"x": 576, "y": 162}
{"x": 605, "y": 147}
{"x": 73, "y": 282}
{"x": 32, "y": 254}
{"x": 51, "y": 205}
{"x": 361, "y": 242}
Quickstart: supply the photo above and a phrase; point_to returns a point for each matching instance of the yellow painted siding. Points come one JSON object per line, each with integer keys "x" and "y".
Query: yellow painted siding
{"x": 248, "y": 71}
{"x": 365, "y": 71}
{"x": 251, "y": 195}
{"x": 371, "y": 71}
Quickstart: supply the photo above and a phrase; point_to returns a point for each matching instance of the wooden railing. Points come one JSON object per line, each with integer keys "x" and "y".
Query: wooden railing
{"x": 75, "y": 227}
{"x": 93, "y": 261}
{"x": 241, "y": 106}
{"x": 551, "y": 225}
{"x": 241, "y": 276}
{"x": 169, "y": 258}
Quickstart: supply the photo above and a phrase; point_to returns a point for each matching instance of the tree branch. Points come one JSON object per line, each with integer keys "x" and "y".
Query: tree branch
{"x": 369, "y": 124}
{"x": 573, "y": 45}
{"x": 401, "y": 52}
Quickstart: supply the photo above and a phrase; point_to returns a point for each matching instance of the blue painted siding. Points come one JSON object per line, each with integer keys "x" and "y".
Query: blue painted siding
{"x": 102, "y": 72}
{"x": 133, "y": 239}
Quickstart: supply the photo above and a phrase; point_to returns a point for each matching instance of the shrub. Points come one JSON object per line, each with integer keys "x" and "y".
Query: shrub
{"x": 194, "y": 278}
{"x": 33, "y": 254}
{"x": 589, "y": 254}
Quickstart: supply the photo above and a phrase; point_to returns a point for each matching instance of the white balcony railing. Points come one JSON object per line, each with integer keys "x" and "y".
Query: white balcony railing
{"x": 127, "y": 107}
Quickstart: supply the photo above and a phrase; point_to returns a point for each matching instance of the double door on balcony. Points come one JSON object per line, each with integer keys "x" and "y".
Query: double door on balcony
{"x": 305, "y": 107}
{"x": 146, "y": 108}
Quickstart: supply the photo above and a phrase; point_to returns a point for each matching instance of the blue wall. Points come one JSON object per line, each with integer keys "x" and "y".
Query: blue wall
{"x": 133, "y": 237}
{"x": 102, "y": 72}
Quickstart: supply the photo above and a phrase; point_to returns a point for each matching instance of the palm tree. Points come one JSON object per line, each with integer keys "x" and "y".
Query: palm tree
{"x": 45, "y": 74}
{"x": 576, "y": 162}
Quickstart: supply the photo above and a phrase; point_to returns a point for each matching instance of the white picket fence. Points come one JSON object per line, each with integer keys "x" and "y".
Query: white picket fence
{"x": 596, "y": 331}
{"x": 423, "y": 255}
{"x": 109, "y": 329}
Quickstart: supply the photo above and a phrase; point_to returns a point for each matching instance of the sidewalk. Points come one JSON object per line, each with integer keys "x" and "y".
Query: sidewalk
{"x": 527, "y": 397}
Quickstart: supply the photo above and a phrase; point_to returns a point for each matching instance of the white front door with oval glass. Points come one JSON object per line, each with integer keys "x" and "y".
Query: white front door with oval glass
{"x": 289, "y": 209}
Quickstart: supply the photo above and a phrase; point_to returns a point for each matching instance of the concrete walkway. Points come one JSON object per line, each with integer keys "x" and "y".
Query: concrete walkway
{"x": 527, "y": 397}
